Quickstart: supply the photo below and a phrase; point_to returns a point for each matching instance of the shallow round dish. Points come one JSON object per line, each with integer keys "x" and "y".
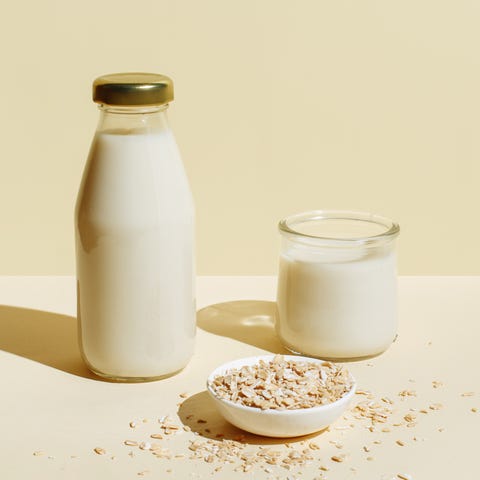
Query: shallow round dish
{"x": 278, "y": 423}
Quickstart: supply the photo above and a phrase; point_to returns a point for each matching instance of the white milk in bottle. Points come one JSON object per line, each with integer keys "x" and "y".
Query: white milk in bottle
{"x": 135, "y": 236}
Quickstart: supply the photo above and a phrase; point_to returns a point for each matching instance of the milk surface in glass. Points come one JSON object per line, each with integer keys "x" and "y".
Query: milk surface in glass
{"x": 337, "y": 299}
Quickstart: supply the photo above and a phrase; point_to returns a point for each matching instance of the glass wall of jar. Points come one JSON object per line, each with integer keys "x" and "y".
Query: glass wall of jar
{"x": 337, "y": 284}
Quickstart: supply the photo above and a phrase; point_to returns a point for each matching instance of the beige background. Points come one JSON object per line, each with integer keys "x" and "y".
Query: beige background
{"x": 281, "y": 107}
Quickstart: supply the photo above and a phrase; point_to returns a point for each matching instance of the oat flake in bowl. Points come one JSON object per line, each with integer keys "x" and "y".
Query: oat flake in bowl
{"x": 281, "y": 396}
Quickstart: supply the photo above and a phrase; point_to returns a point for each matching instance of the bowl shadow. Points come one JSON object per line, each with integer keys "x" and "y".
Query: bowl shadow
{"x": 199, "y": 413}
{"x": 44, "y": 337}
{"x": 248, "y": 321}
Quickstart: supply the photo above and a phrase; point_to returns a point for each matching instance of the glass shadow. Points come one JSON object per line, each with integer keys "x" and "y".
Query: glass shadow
{"x": 248, "y": 321}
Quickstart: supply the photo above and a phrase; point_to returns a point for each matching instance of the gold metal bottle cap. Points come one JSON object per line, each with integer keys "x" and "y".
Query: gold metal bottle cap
{"x": 134, "y": 89}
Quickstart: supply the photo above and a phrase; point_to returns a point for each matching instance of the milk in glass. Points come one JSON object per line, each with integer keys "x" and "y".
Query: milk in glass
{"x": 337, "y": 285}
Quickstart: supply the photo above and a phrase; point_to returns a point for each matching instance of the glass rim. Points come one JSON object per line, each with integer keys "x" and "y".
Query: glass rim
{"x": 392, "y": 229}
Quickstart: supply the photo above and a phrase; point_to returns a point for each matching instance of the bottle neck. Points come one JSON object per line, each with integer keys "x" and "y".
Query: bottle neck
{"x": 132, "y": 120}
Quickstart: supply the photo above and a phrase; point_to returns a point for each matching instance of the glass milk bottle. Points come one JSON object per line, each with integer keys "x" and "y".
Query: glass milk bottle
{"x": 134, "y": 224}
{"x": 337, "y": 284}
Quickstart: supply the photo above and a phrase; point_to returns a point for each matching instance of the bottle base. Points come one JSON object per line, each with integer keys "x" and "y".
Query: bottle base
{"x": 120, "y": 379}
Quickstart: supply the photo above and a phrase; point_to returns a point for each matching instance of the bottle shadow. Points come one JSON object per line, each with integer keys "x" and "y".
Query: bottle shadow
{"x": 51, "y": 338}
{"x": 43, "y": 337}
{"x": 248, "y": 321}
{"x": 199, "y": 413}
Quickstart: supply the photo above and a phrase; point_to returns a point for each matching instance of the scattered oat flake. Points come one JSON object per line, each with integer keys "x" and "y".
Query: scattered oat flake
{"x": 130, "y": 443}
{"x": 409, "y": 417}
{"x": 38, "y": 453}
{"x": 362, "y": 392}
{"x": 404, "y": 476}
{"x": 157, "y": 436}
{"x": 437, "y": 384}
{"x": 337, "y": 458}
{"x": 370, "y": 459}
{"x": 474, "y": 410}
{"x": 183, "y": 395}
{"x": 132, "y": 424}
{"x": 145, "y": 446}
{"x": 400, "y": 442}
{"x": 143, "y": 473}
{"x": 468, "y": 394}
{"x": 162, "y": 453}
{"x": 99, "y": 451}
{"x": 407, "y": 393}
{"x": 373, "y": 411}
{"x": 336, "y": 443}
{"x": 435, "y": 406}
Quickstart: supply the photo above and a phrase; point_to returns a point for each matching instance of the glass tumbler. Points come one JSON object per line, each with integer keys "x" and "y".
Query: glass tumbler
{"x": 337, "y": 284}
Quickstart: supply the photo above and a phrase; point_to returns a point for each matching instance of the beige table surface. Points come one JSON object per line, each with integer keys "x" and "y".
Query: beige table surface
{"x": 51, "y": 404}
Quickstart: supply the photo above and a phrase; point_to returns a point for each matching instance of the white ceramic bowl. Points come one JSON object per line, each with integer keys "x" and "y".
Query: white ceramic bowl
{"x": 278, "y": 423}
